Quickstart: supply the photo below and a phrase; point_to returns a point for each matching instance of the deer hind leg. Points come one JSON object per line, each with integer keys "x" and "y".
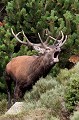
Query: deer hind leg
{"x": 8, "y": 84}
{"x": 17, "y": 93}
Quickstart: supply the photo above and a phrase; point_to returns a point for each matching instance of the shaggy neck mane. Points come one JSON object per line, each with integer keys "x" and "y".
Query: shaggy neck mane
{"x": 40, "y": 67}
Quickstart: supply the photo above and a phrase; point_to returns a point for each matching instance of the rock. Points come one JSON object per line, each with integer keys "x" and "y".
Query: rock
{"x": 17, "y": 108}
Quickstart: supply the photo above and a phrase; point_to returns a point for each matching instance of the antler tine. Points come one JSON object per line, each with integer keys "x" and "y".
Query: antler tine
{"x": 47, "y": 34}
{"x": 42, "y": 41}
{"x": 57, "y": 42}
{"x": 62, "y": 36}
{"x": 46, "y": 42}
{"x": 16, "y": 36}
{"x": 55, "y": 38}
{"x": 62, "y": 42}
{"x": 29, "y": 43}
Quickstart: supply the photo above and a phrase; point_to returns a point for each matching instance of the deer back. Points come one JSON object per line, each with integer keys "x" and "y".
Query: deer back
{"x": 19, "y": 66}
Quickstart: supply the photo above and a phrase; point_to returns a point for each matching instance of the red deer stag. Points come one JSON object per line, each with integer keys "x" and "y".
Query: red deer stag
{"x": 25, "y": 70}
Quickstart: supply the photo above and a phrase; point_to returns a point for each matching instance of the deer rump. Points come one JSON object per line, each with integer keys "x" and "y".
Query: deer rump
{"x": 24, "y": 71}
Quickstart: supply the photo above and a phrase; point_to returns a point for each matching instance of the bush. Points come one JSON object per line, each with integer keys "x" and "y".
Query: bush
{"x": 35, "y": 16}
{"x": 46, "y": 93}
{"x": 43, "y": 85}
{"x": 3, "y": 106}
{"x": 70, "y": 78}
{"x": 72, "y": 92}
{"x": 52, "y": 100}
{"x": 63, "y": 76}
{"x": 75, "y": 116}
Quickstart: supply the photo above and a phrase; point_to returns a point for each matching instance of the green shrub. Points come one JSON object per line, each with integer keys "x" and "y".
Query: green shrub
{"x": 3, "y": 106}
{"x": 43, "y": 85}
{"x": 2, "y": 96}
{"x": 46, "y": 93}
{"x": 72, "y": 92}
{"x": 75, "y": 116}
{"x": 51, "y": 100}
{"x": 63, "y": 76}
{"x": 35, "y": 16}
{"x": 70, "y": 79}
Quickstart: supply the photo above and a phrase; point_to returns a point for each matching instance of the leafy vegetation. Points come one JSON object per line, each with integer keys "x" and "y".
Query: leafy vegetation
{"x": 75, "y": 116}
{"x": 3, "y": 106}
{"x": 35, "y": 16}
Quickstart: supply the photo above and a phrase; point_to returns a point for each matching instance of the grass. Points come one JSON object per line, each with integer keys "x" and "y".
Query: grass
{"x": 3, "y": 106}
{"x": 36, "y": 114}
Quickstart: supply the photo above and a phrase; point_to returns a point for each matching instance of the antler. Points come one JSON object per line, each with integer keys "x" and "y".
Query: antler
{"x": 39, "y": 47}
{"x": 62, "y": 40}
{"x": 58, "y": 42}
{"x": 43, "y": 44}
{"x": 16, "y": 36}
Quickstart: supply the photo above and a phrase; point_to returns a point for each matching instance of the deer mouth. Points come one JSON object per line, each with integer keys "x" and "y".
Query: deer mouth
{"x": 56, "y": 54}
{"x": 55, "y": 59}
